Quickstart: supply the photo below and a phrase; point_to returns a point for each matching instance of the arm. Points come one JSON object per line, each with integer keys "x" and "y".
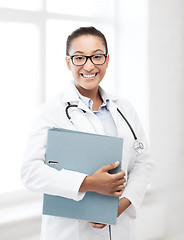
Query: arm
{"x": 140, "y": 167}
{"x": 35, "y": 174}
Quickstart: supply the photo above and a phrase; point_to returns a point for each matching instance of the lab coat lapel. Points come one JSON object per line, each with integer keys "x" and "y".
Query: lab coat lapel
{"x": 92, "y": 120}
{"x": 114, "y": 113}
{"x": 117, "y": 118}
{"x": 82, "y": 105}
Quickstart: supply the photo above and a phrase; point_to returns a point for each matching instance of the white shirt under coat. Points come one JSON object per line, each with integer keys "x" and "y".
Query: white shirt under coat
{"x": 41, "y": 178}
{"x": 103, "y": 114}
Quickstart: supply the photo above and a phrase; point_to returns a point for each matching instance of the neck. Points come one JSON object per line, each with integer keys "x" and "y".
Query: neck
{"x": 93, "y": 95}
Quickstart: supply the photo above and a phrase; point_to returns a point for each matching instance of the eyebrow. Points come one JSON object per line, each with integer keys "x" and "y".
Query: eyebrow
{"x": 80, "y": 52}
{"x": 97, "y": 50}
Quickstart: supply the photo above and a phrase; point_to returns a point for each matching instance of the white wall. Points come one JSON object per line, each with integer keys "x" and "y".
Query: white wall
{"x": 166, "y": 86}
{"x": 132, "y": 47}
{"x": 153, "y": 61}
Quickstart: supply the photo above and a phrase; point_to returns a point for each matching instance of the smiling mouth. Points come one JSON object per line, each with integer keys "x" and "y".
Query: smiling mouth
{"x": 89, "y": 75}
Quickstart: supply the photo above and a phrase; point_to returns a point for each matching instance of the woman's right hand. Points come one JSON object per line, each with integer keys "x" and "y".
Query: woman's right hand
{"x": 105, "y": 183}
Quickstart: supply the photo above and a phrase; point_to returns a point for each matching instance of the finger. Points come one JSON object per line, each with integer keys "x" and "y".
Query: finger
{"x": 97, "y": 225}
{"x": 117, "y": 193}
{"x": 119, "y": 175}
{"x": 120, "y": 182}
{"x": 110, "y": 166}
{"x": 120, "y": 188}
{"x": 100, "y": 226}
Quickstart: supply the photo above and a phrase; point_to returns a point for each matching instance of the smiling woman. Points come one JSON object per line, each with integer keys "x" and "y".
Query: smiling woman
{"x": 95, "y": 112}
{"x": 33, "y": 70}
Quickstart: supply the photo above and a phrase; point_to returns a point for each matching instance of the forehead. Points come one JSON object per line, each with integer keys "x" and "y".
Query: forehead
{"x": 87, "y": 44}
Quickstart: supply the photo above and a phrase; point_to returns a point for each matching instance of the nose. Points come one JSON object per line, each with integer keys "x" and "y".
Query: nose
{"x": 88, "y": 66}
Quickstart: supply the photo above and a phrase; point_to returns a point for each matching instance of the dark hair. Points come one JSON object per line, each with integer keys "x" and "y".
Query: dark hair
{"x": 84, "y": 31}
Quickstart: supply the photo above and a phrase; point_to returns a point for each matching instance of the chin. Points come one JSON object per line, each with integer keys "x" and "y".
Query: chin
{"x": 88, "y": 84}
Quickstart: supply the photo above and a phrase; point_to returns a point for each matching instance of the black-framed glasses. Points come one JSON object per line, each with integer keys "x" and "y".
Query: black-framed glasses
{"x": 80, "y": 60}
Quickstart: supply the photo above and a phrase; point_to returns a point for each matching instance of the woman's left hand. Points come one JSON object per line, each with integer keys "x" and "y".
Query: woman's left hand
{"x": 124, "y": 203}
{"x": 97, "y": 225}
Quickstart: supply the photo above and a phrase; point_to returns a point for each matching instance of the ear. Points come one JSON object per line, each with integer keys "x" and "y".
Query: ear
{"x": 68, "y": 63}
{"x": 107, "y": 61}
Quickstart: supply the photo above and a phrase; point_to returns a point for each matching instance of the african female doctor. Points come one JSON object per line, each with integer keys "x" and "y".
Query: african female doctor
{"x": 89, "y": 109}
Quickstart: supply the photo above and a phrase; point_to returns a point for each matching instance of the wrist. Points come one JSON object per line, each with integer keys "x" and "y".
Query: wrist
{"x": 86, "y": 185}
{"x": 124, "y": 203}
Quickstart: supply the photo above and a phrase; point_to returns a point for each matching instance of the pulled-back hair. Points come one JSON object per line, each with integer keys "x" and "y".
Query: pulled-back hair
{"x": 85, "y": 31}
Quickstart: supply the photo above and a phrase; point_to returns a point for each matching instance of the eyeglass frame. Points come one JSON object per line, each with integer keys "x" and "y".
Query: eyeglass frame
{"x": 88, "y": 57}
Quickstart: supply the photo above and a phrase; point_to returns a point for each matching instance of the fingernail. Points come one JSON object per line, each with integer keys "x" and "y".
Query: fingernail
{"x": 116, "y": 163}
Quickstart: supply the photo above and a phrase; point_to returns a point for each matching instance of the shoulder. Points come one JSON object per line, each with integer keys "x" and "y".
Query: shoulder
{"x": 52, "y": 104}
{"x": 50, "y": 110}
{"x": 122, "y": 103}
{"x": 125, "y": 105}
{"x": 54, "y": 108}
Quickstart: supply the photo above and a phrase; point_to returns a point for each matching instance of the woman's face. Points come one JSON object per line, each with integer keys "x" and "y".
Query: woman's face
{"x": 88, "y": 76}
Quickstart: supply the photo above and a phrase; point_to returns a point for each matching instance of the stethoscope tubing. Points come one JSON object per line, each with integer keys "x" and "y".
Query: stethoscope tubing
{"x": 75, "y": 105}
{"x": 138, "y": 146}
{"x": 135, "y": 137}
{"x": 69, "y": 106}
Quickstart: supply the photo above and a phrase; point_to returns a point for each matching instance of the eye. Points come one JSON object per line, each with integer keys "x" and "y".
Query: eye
{"x": 98, "y": 56}
{"x": 79, "y": 58}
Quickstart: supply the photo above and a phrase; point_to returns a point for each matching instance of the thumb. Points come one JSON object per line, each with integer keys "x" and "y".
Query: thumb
{"x": 110, "y": 166}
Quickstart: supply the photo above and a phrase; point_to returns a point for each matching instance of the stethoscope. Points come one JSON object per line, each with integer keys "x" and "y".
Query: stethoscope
{"x": 138, "y": 146}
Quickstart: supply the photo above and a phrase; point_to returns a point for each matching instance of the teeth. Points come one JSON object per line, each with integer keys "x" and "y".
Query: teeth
{"x": 89, "y": 76}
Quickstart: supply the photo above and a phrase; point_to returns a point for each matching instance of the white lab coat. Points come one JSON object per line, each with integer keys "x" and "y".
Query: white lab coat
{"x": 39, "y": 177}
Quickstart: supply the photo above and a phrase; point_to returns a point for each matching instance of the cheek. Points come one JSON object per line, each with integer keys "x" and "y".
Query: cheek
{"x": 103, "y": 71}
{"x": 73, "y": 69}
{"x": 75, "y": 72}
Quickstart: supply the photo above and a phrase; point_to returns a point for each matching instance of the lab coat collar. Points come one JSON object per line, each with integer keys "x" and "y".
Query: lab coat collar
{"x": 71, "y": 96}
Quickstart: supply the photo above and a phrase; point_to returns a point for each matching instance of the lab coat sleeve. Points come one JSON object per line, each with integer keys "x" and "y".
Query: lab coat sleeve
{"x": 140, "y": 174}
{"x": 39, "y": 177}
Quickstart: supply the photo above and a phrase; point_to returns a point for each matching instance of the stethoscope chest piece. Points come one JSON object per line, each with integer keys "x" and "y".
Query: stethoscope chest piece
{"x": 138, "y": 146}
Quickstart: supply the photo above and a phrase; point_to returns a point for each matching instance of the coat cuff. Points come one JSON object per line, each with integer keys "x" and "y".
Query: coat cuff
{"x": 72, "y": 183}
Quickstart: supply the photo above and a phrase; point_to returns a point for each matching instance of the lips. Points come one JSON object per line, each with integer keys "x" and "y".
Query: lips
{"x": 89, "y": 75}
